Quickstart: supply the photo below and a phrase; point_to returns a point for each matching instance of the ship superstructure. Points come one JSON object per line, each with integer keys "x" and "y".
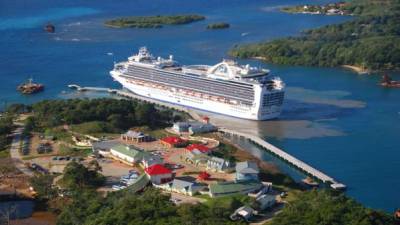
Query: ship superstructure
{"x": 226, "y": 88}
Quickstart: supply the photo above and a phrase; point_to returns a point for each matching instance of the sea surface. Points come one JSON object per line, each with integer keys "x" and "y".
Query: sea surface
{"x": 342, "y": 123}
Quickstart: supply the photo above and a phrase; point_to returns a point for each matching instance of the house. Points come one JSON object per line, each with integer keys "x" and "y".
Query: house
{"x": 196, "y": 157}
{"x": 217, "y": 164}
{"x": 247, "y": 171}
{"x": 181, "y": 127}
{"x": 103, "y": 148}
{"x": 158, "y": 174}
{"x": 150, "y": 160}
{"x": 182, "y": 186}
{"x": 332, "y": 11}
{"x": 202, "y": 148}
{"x": 267, "y": 187}
{"x": 127, "y": 154}
{"x": 244, "y": 212}
{"x": 173, "y": 142}
{"x": 198, "y": 127}
{"x": 135, "y": 136}
{"x": 228, "y": 188}
{"x": 197, "y": 154}
{"x": 266, "y": 201}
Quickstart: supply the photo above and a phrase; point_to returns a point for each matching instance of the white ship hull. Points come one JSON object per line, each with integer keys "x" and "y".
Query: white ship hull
{"x": 192, "y": 101}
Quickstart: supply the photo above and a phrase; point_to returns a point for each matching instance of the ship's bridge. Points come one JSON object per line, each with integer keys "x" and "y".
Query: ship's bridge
{"x": 231, "y": 70}
{"x": 145, "y": 57}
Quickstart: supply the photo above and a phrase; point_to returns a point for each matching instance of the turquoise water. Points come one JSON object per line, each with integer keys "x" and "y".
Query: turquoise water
{"x": 333, "y": 119}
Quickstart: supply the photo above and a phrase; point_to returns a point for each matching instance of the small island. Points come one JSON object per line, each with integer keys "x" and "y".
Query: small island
{"x": 218, "y": 26}
{"x": 152, "y": 21}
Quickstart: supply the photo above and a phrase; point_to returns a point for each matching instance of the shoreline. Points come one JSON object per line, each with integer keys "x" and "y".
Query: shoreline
{"x": 356, "y": 69}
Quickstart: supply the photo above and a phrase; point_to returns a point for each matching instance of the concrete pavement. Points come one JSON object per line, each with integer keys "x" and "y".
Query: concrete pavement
{"x": 16, "y": 155}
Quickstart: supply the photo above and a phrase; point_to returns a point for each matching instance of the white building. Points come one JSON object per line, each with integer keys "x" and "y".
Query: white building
{"x": 158, "y": 174}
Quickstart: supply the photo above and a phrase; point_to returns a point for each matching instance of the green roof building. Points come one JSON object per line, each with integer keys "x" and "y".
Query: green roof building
{"x": 128, "y": 154}
{"x": 228, "y": 188}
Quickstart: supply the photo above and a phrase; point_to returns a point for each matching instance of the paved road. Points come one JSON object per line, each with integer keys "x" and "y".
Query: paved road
{"x": 15, "y": 155}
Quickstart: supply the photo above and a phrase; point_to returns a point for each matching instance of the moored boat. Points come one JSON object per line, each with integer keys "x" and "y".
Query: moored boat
{"x": 50, "y": 28}
{"x": 30, "y": 87}
{"x": 388, "y": 82}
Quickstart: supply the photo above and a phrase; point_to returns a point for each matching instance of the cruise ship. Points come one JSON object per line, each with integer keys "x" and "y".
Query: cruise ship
{"x": 226, "y": 88}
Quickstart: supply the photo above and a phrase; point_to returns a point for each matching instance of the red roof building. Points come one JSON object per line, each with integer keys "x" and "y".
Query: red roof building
{"x": 158, "y": 174}
{"x": 202, "y": 148}
{"x": 173, "y": 141}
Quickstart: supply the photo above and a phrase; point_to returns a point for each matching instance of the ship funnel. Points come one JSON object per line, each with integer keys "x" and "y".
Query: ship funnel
{"x": 171, "y": 57}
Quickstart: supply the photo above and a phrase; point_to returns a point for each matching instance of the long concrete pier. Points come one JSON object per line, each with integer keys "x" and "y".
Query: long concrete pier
{"x": 309, "y": 170}
{"x": 287, "y": 157}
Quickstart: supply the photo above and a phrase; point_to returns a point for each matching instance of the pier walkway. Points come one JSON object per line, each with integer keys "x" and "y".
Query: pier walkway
{"x": 255, "y": 139}
{"x": 287, "y": 157}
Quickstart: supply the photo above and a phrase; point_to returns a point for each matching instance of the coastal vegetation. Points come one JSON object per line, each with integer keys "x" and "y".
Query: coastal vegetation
{"x": 326, "y": 207}
{"x": 6, "y": 125}
{"x": 149, "y": 207}
{"x": 152, "y": 21}
{"x": 218, "y": 25}
{"x": 370, "y": 41}
{"x": 97, "y": 115}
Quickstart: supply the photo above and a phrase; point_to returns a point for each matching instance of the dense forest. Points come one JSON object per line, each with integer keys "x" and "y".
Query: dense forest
{"x": 147, "y": 208}
{"x": 6, "y": 125}
{"x": 119, "y": 114}
{"x": 152, "y": 207}
{"x": 325, "y": 207}
{"x": 152, "y": 21}
{"x": 371, "y": 40}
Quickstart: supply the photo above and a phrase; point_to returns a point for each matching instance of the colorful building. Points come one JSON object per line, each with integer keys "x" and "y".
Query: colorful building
{"x": 247, "y": 170}
{"x": 135, "y": 136}
{"x": 173, "y": 142}
{"x": 127, "y": 154}
{"x": 158, "y": 174}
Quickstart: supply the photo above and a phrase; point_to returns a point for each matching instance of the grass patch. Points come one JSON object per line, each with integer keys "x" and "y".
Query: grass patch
{"x": 4, "y": 153}
{"x": 226, "y": 151}
{"x": 94, "y": 127}
{"x": 156, "y": 133}
{"x": 281, "y": 181}
{"x": 70, "y": 151}
{"x": 190, "y": 173}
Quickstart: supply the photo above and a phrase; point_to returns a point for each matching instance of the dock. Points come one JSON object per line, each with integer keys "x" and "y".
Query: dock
{"x": 302, "y": 166}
